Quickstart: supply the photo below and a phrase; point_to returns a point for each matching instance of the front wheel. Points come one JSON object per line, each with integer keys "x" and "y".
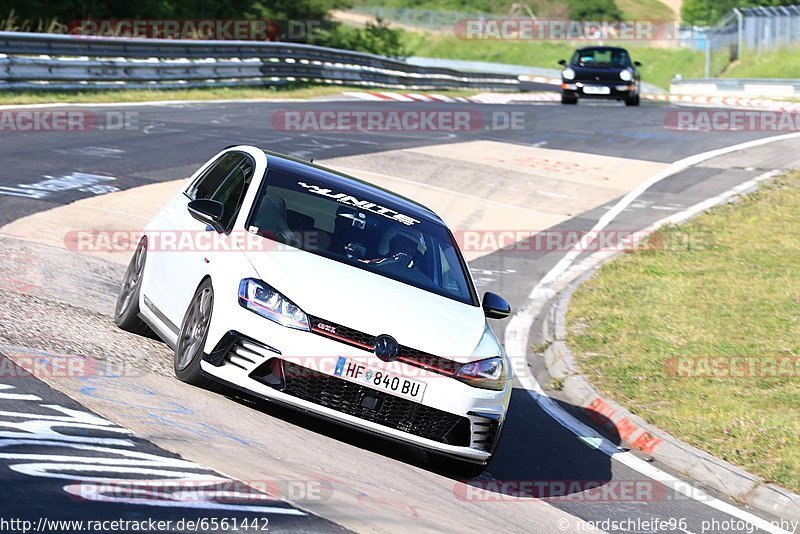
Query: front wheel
{"x": 633, "y": 101}
{"x": 567, "y": 99}
{"x": 193, "y": 335}
{"x": 452, "y": 466}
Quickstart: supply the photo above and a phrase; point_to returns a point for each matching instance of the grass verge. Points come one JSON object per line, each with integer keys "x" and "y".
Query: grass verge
{"x": 659, "y": 64}
{"x": 783, "y": 63}
{"x": 147, "y": 95}
{"x": 735, "y": 293}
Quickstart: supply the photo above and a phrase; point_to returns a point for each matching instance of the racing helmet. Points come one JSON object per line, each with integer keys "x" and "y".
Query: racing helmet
{"x": 415, "y": 236}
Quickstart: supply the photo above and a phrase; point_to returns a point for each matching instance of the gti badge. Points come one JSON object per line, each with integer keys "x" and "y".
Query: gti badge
{"x": 386, "y": 348}
{"x": 326, "y": 328}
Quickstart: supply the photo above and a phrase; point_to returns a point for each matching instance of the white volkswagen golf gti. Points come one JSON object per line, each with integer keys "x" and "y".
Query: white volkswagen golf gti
{"x": 316, "y": 290}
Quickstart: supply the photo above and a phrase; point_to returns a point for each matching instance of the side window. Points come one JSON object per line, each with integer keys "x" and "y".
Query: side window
{"x": 232, "y": 190}
{"x": 209, "y": 181}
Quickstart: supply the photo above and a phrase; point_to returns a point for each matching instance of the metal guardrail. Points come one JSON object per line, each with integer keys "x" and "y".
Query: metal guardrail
{"x": 48, "y": 61}
{"x": 761, "y": 87}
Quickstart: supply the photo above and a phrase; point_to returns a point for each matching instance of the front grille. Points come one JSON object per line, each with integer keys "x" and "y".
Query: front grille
{"x": 361, "y": 340}
{"x": 393, "y": 412}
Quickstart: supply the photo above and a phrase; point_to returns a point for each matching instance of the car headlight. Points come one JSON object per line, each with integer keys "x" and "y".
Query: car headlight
{"x": 488, "y": 374}
{"x": 568, "y": 74}
{"x": 259, "y": 297}
{"x": 625, "y": 75}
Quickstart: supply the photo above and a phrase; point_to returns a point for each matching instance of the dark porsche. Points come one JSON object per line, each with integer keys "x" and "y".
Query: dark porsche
{"x": 600, "y": 72}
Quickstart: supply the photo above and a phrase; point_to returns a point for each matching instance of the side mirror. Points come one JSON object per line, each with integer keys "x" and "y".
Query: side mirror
{"x": 495, "y": 306}
{"x": 209, "y": 212}
{"x": 637, "y": 64}
{"x": 562, "y": 62}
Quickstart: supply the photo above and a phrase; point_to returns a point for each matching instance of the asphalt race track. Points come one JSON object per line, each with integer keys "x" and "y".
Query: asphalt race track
{"x": 168, "y": 142}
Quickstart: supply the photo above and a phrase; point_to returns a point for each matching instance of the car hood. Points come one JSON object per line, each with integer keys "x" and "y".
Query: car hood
{"x": 602, "y": 74}
{"x": 372, "y": 303}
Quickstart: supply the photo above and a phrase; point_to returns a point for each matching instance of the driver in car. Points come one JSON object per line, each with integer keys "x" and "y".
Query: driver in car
{"x": 403, "y": 249}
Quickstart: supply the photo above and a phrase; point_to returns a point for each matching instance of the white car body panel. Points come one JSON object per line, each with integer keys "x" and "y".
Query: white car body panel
{"x": 327, "y": 289}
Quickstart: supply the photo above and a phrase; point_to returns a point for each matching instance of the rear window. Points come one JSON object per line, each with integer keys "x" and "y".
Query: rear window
{"x": 345, "y": 226}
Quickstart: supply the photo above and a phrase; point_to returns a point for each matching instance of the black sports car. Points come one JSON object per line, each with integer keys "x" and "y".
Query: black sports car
{"x": 600, "y": 72}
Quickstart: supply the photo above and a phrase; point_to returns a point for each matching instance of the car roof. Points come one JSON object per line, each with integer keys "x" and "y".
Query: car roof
{"x": 585, "y": 48}
{"x": 352, "y": 185}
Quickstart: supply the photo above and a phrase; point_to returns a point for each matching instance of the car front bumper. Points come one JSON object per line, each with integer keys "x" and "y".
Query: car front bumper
{"x": 261, "y": 357}
{"x": 599, "y": 90}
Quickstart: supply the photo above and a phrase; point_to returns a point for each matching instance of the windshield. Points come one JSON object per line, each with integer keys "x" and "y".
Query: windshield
{"x": 327, "y": 220}
{"x": 601, "y": 57}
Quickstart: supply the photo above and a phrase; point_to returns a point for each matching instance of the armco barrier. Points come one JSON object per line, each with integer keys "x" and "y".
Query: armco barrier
{"x": 47, "y": 61}
{"x": 753, "y": 87}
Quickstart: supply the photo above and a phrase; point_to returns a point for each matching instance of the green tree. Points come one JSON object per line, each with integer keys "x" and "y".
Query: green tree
{"x": 378, "y": 38}
{"x": 594, "y": 10}
{"x": 711, "y": 11}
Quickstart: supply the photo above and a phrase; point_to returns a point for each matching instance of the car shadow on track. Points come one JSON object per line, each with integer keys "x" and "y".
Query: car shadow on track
{"x": 534, "y": 447}
{"x": 539, "y": 458}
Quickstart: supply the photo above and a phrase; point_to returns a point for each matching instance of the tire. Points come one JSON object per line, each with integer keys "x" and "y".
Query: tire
{"x": 458, "y": 468}
{"x": 569, "y": 100}
{"x": 126, "y": 311}
{"x": 192, "y": 337}
{"x": 632, "y": 101}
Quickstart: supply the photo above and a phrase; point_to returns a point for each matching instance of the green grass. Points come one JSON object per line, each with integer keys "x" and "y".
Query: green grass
{"x": 784, "y": 63}
{"x": 737, "y": 295}
{"x": 645, "y": 9}
{"x": 659, "y": 65}
{"x": 144, "y": 95}
{"x": 631, "y": 9}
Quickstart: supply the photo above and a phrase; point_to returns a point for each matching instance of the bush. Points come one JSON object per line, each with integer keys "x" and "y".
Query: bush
{"x": 594, "y": 10}
{"x": 375, "y": 38}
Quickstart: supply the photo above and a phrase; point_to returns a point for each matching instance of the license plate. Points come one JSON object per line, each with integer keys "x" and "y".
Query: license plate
{"x": 380, "y": 379}
{"x": 596, "y": 90}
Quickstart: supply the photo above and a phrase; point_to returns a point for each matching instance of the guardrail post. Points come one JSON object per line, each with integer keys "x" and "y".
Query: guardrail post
{"x": 739, "y": 32}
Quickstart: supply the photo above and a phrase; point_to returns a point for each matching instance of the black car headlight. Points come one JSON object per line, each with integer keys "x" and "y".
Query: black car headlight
{"x": 488, "y": 374}
{"x": 261, "y": 298}
{"x": 625, "y": 75}
{"x": 568, "y": 73}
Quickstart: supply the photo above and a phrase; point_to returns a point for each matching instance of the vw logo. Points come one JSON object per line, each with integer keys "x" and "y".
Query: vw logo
{"x": 386, "y": 348}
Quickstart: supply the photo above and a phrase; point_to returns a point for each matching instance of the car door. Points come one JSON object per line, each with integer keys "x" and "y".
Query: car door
{"x": 184, "y": 258}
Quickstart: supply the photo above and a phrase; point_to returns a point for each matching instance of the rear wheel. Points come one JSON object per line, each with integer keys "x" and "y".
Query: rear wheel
{"x": 455, "y": 467}
{"x": 126, "y": 312}
{"x": 192, "y": 337}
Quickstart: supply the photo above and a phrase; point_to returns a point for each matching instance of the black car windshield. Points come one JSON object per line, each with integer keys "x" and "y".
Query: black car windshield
{"x": 601, "y": 57}
{"x": 328, "y": 220}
